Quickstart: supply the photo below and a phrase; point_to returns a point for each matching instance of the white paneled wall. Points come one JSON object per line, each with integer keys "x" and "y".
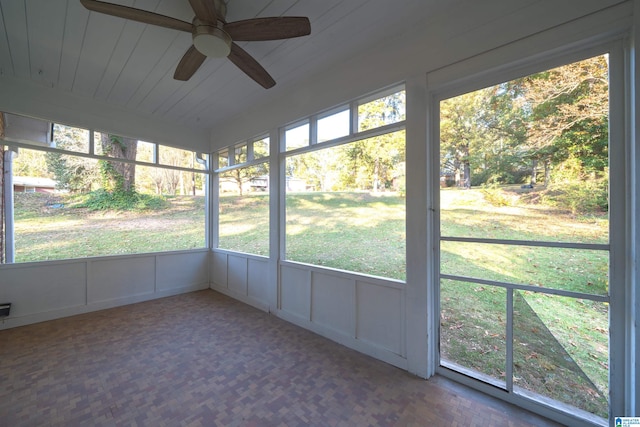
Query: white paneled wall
{"x": 361, "y": 312}
{"x": 295, "y": 292}
{"x": 113, "y": 278}
{"x": 379, "y": 316}
{"x": 333, "y": 303}
{"x": 241, "y": 276}
{"x": 257, "y": 282}
{"x": 43, "y": 289}
{"x": 49, "y": 290}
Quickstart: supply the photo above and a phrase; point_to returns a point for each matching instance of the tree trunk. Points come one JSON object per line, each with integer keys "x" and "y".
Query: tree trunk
{"x": 376, "y": 175}
{"x": 122, "y": 175}
{"x": 534, "y": 171}
{"x": 238, "y": 178}
{"x": 547, "y": 172}
{"x": 467, "y": 174}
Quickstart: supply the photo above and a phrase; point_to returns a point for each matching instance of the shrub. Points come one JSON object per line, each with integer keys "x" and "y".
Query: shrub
{"x": 574, "y": 189}
{"x": 100, "y": 200}
{"x": 494, "y": 195}
{"x": 589, "y": 196}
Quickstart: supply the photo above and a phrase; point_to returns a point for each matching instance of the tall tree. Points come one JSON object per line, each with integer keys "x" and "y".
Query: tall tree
{"x": 463, "y": 133}
{"x": 382, "y": 111}
{"x": 570, "y": 109}
{"x": 547, "y": 118}
{"x": 73, "y": 173}
{"x": 373, "y": 161}
{"x": 243, "y": 175}
{"x": 373, "y": 164}
{"x": 118, "y": 176}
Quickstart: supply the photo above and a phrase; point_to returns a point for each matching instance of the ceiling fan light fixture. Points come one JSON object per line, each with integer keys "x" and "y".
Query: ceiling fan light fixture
{"x": 211, "y": 41}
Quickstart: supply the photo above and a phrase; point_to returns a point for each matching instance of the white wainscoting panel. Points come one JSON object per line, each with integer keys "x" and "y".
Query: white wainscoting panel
{"x": 237, "y": 274}
{"x": 380, "y": 316}
{"x": 219, "y": 270}
{"x": 241, "y": 276}
{"x": 258, "y": 282}
{"x": 42, "y": 288}
{"x": 114, "y": 278}
{"x": 295, "y": 291}
{"x": 175, "y": 271}
{"x": 361, "y": 312}
{"x": 333, "y": 302}
{"x": 49, "y": 290}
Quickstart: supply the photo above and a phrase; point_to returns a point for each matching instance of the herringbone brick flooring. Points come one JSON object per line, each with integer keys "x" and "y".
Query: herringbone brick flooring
{"x": 202, "y": 359}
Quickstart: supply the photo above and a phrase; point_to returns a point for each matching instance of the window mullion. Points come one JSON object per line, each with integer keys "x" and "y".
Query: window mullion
{"x": 509, "y": 341}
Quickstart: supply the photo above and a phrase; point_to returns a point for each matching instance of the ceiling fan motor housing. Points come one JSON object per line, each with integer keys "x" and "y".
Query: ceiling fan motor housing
{"x": 211, "y": 40}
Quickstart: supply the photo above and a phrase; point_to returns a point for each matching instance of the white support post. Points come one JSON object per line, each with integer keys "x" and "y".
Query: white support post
{"x": 633, "y": 299}
{"x": 10, "y": 241}
{"x": 274, "y": 219}
{"x": 419, "y": 329}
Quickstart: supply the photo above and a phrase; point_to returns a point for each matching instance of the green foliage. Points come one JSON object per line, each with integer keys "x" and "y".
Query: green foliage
{"x": 101, "y": 200}
{"x": 118, "y": 176}
{"x": 70, "y": 172}
{"x": 577, "y": 189}
{"x": 512, "y": 132}
{"x": 376, "y": 164}
{"x": 588, "y": 142}
{"x": 586, "y": 197}
{"x": 30, "y": 163}
{"x": 382, "y": 111}
{"x": 111, "y": 180}
{"x": 495, "y": 195}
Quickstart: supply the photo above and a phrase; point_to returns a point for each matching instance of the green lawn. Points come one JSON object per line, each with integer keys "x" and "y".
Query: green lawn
{"x": 560, "y": 344}
{"x": 49, "y": 227}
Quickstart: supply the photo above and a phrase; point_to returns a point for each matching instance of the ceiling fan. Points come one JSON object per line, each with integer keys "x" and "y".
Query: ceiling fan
{"x": 213, "y": 36}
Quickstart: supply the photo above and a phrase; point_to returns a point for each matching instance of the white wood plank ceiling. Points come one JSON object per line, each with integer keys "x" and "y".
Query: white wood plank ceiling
{"x": 61, "y": 45}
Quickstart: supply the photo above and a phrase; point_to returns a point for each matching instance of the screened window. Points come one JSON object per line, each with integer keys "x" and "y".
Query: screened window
{"x": 261, "y": 148}
{"x": 385, "y": 110}
{"x": 146, "y": 152}
{"x": 171, "y": 156}
{"x": 345, "y": 206}
{"x": 79, "y": 204}
{"x": 70, "y": 138}
{"x": 243, "y": 198}
{"x": 297, "y": 137}
{"x": 223, "y": 158}
{"x": 334, "y": 126}
{"x": 524, "y": 235}
{"x": 240, "y": 153}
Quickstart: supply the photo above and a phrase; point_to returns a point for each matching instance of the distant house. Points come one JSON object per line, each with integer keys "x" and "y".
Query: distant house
{"x": 30, "y": 184}
{"x": 261, "y": 183}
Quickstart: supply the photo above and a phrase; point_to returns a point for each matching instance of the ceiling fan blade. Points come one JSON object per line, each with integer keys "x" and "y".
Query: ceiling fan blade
{"x": 258, "y": 29}
{"x": 250, "y": 66}
{"x": 139, "y": 15}
{"x": 189, "y": 64}
{"x": 204, "y": 10}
